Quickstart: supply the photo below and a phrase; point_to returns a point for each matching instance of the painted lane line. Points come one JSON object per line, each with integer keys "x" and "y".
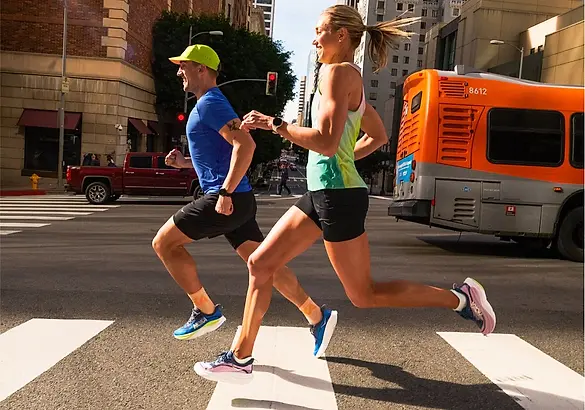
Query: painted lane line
{"x": 21, "y": 225}
{"x": 48, "y": 204}
{"x": 48, "y": 209}
{"x": 2, "y": 232}
{"x": 532, "y": 378}
{"x": 30, "y": 349}
{"x": 35, "y": 217}
{"x": 286, "y": 375}
{"x": 2, "y": 212}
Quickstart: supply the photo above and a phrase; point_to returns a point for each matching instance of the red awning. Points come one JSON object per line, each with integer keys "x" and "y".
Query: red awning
{"x": 155, "y": 126}
{"x": 139, "y": 125}
{"x": 48, "y": 119}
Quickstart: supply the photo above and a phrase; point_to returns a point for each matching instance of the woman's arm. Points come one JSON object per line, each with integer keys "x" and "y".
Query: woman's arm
{"x": 375, "y": 135}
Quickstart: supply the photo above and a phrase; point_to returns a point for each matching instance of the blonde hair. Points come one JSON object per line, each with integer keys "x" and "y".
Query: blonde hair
{"x": 382, "y": 35}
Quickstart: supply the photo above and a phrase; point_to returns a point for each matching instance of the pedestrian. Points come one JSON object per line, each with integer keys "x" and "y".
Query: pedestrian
{"x": 221, "y": 153}
{"x": 283, "y": 179}
{"x": 336, "y": 203}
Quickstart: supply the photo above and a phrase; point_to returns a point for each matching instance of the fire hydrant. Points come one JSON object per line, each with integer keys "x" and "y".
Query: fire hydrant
{"x": 35, "y": 181}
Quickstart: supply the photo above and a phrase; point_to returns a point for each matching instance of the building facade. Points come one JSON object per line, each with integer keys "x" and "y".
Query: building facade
{"x": 256, "y": 24}
{"x": 109, "y": 88}
{"x": 267, "y": 7}
{"x": 302, "y": 93}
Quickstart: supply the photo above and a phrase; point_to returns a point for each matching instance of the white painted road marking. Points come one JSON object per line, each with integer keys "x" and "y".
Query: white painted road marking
{"x": 532, "y": 378}
{"x": 30, "y": 349}
{"x": 286, "y": 374}
{"x": 51, "y": 212}
{"x": 21, "y": 225}
{"x": 2, "y": 232}
{"x": 48, "y": 209}
{"x": 35, "y": 217}
{"x": 51, "y": 205}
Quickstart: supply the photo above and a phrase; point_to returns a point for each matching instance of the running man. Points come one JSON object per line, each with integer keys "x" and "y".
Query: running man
{"x": 337, "y": 201}
{"x": 220, "y": 153}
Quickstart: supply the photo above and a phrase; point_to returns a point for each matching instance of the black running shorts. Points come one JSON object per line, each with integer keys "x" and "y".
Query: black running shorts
{"x": 340, "y": 213}
{"x": 199, "y": 219}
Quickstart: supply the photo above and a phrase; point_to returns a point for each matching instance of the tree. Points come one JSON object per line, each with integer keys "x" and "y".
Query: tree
{"x": 243, "y": 54}
{"x": 372, "y": 164}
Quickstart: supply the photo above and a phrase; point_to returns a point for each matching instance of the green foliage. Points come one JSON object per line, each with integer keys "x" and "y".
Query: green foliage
{"x": 243, "y": 54}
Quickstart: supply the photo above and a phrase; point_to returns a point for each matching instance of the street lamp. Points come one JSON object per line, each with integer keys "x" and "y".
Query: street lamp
{"x": 191, "y": 37}
{"x": 500, "y": 42}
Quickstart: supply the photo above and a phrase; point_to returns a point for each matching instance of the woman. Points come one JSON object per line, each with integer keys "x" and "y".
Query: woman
{"x": 336, "y": 203}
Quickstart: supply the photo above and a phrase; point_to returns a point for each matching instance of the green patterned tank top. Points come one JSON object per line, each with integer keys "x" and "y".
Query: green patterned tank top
{"x": 338, "y": 171}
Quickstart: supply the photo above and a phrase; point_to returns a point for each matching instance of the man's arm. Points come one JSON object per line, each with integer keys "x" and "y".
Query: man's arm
{"x": 375, "y": 135}
{"x": 242, "y": 153}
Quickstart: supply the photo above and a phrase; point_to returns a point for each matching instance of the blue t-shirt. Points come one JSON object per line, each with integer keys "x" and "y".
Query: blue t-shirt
{"x": 210, "y": 153}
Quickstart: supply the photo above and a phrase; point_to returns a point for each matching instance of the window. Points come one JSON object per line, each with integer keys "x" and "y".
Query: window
{"x": 421, "y": 38}
{"x": 394, "y": 72}
{"x": 380, "y": 5}
{"x": 373, "y": 96}
{"x": 411, "y": 7}
{"x": 407, "y": 47}
{"x": 435, "y": 13}
{"x": 424, "y": 12}
{"x": 525, "y": 137}
{"x": 406, "y": 60}
{"x": 419, "y": 63}
{"x": 140, "y": 161}
{"x": 404, "y": 73}
{"x": 399, "y": 6}
{"x": 423, "y": 25}
{"x": 415, "y": 103}
{"x": 393, "y": 84}
{"x": 160, "y": 163}
{"x": 540, "y": 48}
{"x": 374, "y": 83}
{"x": 455, "y": 12}
{"x": 394, "y": 59}
{"x": 577, "y": 140}
{"x": 379, "y": 17}
{"x": 421, "y": 51}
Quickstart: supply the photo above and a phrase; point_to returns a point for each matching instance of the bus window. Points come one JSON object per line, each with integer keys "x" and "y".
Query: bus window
{"x": 525, "y": 137}
{"x": 577, "y": 140}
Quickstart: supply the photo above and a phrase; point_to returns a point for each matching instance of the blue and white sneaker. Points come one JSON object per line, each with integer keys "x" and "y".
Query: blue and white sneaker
{"x": 200, "y": 324}
{"x": 226, "y": 369}
{"x": 323, "y": 331}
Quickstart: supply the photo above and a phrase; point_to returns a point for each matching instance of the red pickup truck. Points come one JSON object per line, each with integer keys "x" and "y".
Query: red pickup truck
{"x": 143, "y": 173}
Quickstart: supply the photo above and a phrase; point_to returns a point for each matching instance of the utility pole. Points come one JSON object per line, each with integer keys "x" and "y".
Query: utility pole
{"x": 62, "y": 103}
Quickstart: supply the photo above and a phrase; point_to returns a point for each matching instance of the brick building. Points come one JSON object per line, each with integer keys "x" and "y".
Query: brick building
{"x": 109, "y": 49}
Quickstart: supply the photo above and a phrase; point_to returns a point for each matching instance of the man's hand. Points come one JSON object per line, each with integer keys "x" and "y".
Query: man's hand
{"x": 224, "y": 205}
{"x": 175, "y": 159}
{"x": 254, "y": 120}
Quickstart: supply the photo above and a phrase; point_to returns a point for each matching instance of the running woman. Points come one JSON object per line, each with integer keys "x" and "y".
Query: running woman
{"x": 337, "y": 201}
{"x": 221, "y": 153}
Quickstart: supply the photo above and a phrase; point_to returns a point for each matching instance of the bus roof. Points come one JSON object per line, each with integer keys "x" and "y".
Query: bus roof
{"x": 463, "y": 71}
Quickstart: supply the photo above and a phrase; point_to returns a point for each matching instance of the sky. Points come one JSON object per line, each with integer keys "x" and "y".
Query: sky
{"x": 294, "y": 25}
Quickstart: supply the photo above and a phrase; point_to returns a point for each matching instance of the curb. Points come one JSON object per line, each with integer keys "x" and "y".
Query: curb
{"x": 22, "y": 192}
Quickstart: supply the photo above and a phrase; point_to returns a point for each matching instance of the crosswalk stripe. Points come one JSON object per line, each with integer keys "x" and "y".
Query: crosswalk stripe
{"x": 47, "y": 205}
{"x": 286, "y": 375}
{"x": 47, "y": 209}
{"x": 4, "y": 232}
{"x": 51, "y": 212}
{"x": 30, "y": 349}
{"x": 35, "y": 217}
{"x": 21, "y": 225}
{"x": 532, "y": 378}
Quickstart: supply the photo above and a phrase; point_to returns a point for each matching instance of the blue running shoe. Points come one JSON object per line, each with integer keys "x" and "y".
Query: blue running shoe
{"x": 226, "y": 369}
{"x": 200, "y": 324}
{"x": 323, "y": 331}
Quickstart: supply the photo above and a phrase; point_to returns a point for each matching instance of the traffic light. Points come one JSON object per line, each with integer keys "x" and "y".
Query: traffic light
{"x": 181, "y": 116}
{"x": 271, "y": 81}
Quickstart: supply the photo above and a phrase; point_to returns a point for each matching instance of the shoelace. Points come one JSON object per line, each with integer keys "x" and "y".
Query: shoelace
{"x": 194, "y": 314}
{"x": 221, "y": 358}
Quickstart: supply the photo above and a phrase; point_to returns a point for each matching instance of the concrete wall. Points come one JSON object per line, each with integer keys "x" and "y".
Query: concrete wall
{"x": 563, "y": 56}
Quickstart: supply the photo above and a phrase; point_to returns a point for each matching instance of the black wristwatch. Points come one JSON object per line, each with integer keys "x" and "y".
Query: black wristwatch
{"x": 224, "y": 192}
{"x": 276, "y": 122}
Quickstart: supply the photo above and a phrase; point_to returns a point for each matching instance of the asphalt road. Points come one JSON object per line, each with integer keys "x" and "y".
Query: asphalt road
{"x": 101, "y": 266}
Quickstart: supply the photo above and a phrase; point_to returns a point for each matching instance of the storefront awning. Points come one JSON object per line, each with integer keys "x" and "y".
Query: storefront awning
{"x": 48, "y": 119}
{"x": 155, "y": 126}
{"x": 139, "y": 125}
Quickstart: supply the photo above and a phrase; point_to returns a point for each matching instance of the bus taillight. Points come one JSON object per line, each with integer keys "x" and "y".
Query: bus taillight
{"x": 412, "y": 177}
{"x": 413, "y": 164}
{"x": 433, "y": 202}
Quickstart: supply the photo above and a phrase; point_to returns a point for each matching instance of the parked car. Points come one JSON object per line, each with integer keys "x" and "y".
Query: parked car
{"x": 143, "y": 173}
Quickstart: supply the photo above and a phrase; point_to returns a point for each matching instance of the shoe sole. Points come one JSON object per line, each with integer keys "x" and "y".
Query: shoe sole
{"x": 479, "y": 296}
{"x": 208, "y": 328}
{"x": 224, "y": 377}
{"x": 329, "y": 329}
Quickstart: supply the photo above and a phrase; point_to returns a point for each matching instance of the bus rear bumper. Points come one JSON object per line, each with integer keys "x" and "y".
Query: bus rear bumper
{"x": 410, "y": 209}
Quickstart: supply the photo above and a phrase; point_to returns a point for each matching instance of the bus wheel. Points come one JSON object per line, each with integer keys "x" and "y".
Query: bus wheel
{"x": 569, "y": 241}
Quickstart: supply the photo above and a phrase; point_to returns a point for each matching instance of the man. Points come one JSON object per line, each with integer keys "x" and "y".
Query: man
{"x": 220, "y": 153}
{"x": 283, "y": 179}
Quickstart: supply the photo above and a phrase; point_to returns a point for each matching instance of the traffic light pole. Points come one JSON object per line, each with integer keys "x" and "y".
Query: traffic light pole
{"x": 242, "y": 79}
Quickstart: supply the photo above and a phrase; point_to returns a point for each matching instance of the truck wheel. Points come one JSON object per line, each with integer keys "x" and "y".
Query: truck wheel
{"x": 569, "y": 241}
{"x": 97, "y": 193}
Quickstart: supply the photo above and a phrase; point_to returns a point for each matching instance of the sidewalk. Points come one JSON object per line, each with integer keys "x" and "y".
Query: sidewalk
{"x": 46, "y": 186}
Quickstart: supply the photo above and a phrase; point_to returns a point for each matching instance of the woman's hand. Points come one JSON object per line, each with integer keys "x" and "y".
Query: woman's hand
{"x": 256, "y": 120}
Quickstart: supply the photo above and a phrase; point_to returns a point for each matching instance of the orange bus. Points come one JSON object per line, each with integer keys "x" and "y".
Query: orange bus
{"x": 481, "y": 152}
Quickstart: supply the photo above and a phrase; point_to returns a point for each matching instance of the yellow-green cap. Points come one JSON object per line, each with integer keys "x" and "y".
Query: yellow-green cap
{"x": 199, "y": 53}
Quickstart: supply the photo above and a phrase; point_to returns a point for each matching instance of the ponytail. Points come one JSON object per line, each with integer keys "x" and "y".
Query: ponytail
{"x": 384, "y": 35}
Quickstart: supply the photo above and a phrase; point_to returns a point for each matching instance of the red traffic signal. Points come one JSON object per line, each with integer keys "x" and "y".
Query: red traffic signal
{"x": 271, "y": 81}
{"x": 181, "y": 117}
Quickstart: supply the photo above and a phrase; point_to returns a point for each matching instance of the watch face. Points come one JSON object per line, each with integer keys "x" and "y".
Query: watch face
{"x": 277, "y": 121}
